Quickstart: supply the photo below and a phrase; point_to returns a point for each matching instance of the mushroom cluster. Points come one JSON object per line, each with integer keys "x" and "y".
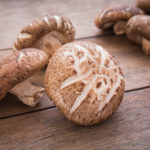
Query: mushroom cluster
{"x": 82, "y": 78}
{"x": 36, "y": 43}
{"x": 116, "y": 17}
{"x": 133, "y": 21}
{"x": 18, "y": 67}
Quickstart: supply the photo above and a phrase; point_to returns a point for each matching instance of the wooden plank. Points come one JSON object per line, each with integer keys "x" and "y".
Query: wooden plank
{"x": 5, "y": 53}
{"x": 11, "y": 106}
{"x": 127, "y": 129}
{"x": 134, "y": 63}
{"x": 19, "y": 13}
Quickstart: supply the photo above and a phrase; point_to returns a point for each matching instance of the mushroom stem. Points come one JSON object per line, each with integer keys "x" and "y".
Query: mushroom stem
{"x": 38, "y": 78}
{"x": 146, "y": 46}
{"x": 31, "y": 90}
{"x": 18, "y": 67}
{"x": 120, "y": 27}
{"x": 27, "y": 93}
{"x": 50, "y": 42}
{"x": 47, "y": 34}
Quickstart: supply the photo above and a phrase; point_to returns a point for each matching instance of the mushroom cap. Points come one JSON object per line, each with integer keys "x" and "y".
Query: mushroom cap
{"x": 107, "y": 17}
{"x": 32, "y": 34}
{"x": 144, "y": 5}
{"x": 19, "y": 66}
{"x": 138, "y": 27}
{"x": 85, "y": 82}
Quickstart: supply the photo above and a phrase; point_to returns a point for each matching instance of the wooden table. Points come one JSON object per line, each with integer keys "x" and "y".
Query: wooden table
{"x": 44, "y": 127}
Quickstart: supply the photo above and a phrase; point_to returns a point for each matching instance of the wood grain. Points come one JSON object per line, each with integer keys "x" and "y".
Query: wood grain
{"x": 16, "y": 14}
{"x": 11, "y": 106}
{"x": 134, "y": 63}
{"x": 44, "y": 127}
{"x": 127, "y": 129}
{"x": 5, "y": 53}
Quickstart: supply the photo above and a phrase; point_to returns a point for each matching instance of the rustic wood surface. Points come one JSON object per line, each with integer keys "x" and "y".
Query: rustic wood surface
{"x": 127, "y": 129}
{"x": 16, "y": 14}
{"x": 134, "y": 63}
{"x": 44, "y": 127}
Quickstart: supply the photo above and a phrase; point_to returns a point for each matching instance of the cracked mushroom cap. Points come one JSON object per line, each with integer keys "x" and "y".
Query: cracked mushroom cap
{"x": 138, "y": 31}
{"x": 109, "y": 16}
{"x": 144, "y": 5}
{"x": 19, "y": 66}
{"x": 85, "y": 82}
{"x": 47, "y": 34}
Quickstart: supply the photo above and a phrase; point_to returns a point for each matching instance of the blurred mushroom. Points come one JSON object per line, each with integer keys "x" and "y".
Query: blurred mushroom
{"x": 144, "y": 5}
{"x": 116, "y": 17}
{"x": 18, "y": 67}
{"x": 138, "y": 30}
{"x": 47, "y": 34}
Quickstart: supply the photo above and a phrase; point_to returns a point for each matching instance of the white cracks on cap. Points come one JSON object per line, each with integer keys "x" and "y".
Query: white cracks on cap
{"x": 102, "y": 79}
{"x": 103, "y": 13}
{"x": 81, "y": 97}
{"x": 75, "y": 79}
{"x": 24, "y": 36}
{"x": 58, "y": 21}
{"x": 111, "y": 94}
{"x": 21, "y": 37}
{"x": 46, "y": 20}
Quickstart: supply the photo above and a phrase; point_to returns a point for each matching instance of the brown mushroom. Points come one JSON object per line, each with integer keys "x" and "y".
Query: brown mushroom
{"x": 138, "y": 30}
{"x": 18, "y": 67}
{"x": 116, "y": 17}
{"x": 47, "y": 34}
{"x": 85, "y": 82}
{"x": 144, "y": 5}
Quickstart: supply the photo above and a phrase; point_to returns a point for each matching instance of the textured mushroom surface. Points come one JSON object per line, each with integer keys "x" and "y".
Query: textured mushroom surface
{"x": 47, "y": 33}
{"x": 138, "y": 30}
{"x": 19, "y": 66}
{"x": 144, "y": 5}
{"x": 85, "y": 82}
{"x": 108, "y": 17}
